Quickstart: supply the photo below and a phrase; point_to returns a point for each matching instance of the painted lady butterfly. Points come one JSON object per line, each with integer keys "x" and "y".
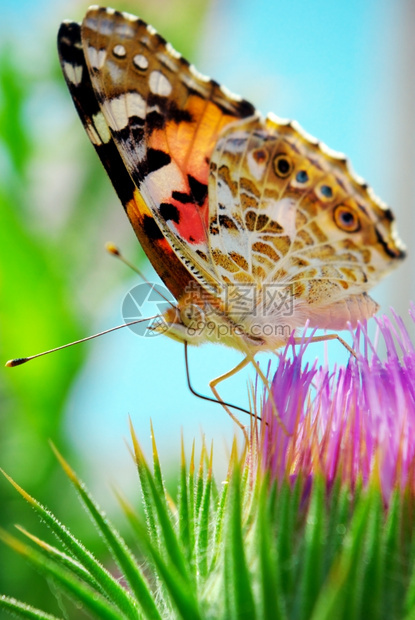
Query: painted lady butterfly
{"x": 253, "y": 225}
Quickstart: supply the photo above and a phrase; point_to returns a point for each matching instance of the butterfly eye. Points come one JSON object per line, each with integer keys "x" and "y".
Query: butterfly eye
{"x": 282, "y": 166}
{"x": 192, "y": 315}
{"x": 346, "y": 219}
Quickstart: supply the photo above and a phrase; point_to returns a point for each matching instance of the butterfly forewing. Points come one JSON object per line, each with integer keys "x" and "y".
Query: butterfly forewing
{"x": 165, "y": 119}
{"x": 77, "y": 76}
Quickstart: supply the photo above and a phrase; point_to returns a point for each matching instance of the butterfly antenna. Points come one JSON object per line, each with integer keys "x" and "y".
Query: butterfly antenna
{"x": 18, "y": 361}
{"x": 209, "y": 398}
{"x": 114, "y": 251}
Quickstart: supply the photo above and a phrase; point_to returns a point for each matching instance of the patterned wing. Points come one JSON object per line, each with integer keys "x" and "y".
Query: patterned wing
{"x": 164, "y": 119}
{"x": 76, "y": 73}
{"x": 291, "y": 213}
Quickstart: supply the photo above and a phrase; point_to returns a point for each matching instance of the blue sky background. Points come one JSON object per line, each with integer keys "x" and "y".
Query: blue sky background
{"x": 330, "y": 65}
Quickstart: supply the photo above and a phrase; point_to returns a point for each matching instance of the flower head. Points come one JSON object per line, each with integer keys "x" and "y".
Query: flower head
{"x": 356, "y": 421}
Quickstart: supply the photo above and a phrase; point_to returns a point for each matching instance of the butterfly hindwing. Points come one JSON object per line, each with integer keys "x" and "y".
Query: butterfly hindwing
{"x": 287, "y": 213}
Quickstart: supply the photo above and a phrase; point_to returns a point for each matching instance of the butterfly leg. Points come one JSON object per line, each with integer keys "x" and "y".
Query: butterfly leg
{"x": 327, "y": 337}
{"x": 267, "y": 385}
{"x": 227, "y": 375}
{"x": 208, "y": 398}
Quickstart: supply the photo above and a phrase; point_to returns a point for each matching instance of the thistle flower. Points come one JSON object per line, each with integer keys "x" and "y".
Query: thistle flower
{"x": 354, "y": 422}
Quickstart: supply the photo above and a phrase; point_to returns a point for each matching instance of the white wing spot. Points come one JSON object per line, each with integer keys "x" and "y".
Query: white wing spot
{"x": 92, "y": 134}
{"x": 230, "y": 94}
{"x": 91, "y": 22}
{"x": 96, "y": 58}
{"x": 159, "y": 84}
{"x": 168, "y": 62}
{"x": 119, "y": 109}
{"x": 170, "y": 49}
{"x": 115, "y": 112}
{"x": 192, "y": 84}
{"x": 126, "y": 30}
{"x": 331, "y": 152}
{"x": 105, "y": 27}
{"x": 73, "y": 73}
{"x": 145, "y": 40}
{"x": 119, "y": 51}
{"x": 140, "y": 61}
{"x": 115, "y": 72}
{"x": 151, "y": 30}
{"x": 129, "y": 17}
{"x": 136, "y": 105}
{"x": 198, "y": 75}
{"x": 101, "y": 127}
{"x": 311, "y": 138}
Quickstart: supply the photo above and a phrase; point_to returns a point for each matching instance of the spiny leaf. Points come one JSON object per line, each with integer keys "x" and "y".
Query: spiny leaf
{"x": 313, "y": 541}
{"x": 181, "y": 591}
{"x": 393, "y": 589}
{"x": 285, "y": 524}
{"x": 145, "y": 475}
{"x": 239, "y": 584}
{"x": 374, "y": 560}
{"x": 102, "y": 578}
{"x": 62, "y": 559}
{"x": 121, "y": 553}
{"x": 219, "y": 526}
{"x": 21, "y": 610}
{"x": 159, "y": 508}
{"x": 157, "y": 475}
{"x": 184, "y": 509}
{"x": 340, "y": 597}
{"x": 93, "y": 601}
{"x": 272, "y": 596}
{"x": 200, "y": 483}
{"x": 203, "y": 524}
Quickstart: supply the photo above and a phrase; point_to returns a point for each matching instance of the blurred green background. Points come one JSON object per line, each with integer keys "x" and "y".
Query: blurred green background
{"x": 344, "y": 71}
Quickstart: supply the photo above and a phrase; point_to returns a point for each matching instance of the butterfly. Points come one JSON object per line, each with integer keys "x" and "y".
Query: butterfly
{"x": 254, "y": 226}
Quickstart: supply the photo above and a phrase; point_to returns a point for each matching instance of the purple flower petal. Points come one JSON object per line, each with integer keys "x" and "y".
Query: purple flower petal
{"x": 355, "y": 421}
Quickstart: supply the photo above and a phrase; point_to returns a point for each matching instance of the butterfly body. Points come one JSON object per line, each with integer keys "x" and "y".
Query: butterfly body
{"x": 255, "y": 227}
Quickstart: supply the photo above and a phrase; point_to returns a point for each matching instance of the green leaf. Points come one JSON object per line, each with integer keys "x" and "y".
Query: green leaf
{"x": 285, "y": 523}
{"x": 158, "y": 507}
{"x": 272, "y": 596}
{"x": 203, "y": 526}
{"x": 237, "y": 579}
{"x": 340, "y": 595}
{"x": 121, "y": 553}
{"x": 184, "y": 508}
{"x": 374, "y": 559}
{"x": 145, "y": 475}
{"x": 181, "y": 591}
{"x": 96, "y": 575}
{"x": 219, "y": 526}
{"x": 81, "y": 592}
{"x": 21, "y": 610}
{"x": 393, "y": 589}
{"x": 313, "y": 541}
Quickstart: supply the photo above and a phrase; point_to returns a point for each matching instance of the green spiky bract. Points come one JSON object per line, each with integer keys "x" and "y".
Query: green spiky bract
{"x": 288, "y": 550}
